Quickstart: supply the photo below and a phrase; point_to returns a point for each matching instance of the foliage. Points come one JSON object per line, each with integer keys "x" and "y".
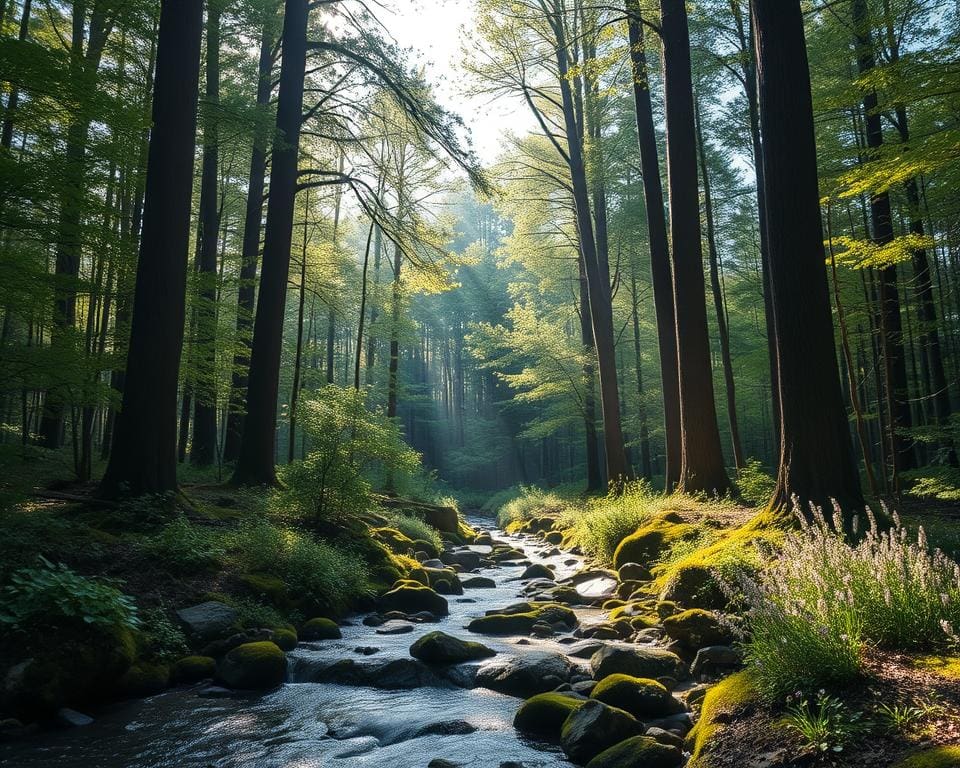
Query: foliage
{"x": 823, "y": 721}
{"x": 823, "y": 600}
{"x": 347, "y": 439}
{"x": 604, "y": 522}
{"x": 415, "y": 528}
{"x": 183, "y": 546}
{"x": 530, "y": 503}
{"x": 50, "y": 594}
{"x": 754, "y": 483}
{"x": 161, "y": 638}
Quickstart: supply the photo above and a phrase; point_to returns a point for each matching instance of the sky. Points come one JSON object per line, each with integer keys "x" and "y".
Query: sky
{"x": 433, "y": 29}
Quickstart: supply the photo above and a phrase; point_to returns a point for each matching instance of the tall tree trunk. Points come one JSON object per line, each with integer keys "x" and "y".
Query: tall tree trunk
{"x": 143, "y": 457}
{"x": 718, "y": 302}
{"x": 816, "y": 455}
{"x": 363, "y": 306}
{"x": 246, "y": 292}
{"x": 660, "y": 267}
{"x": 646, "y": 466}
{"x": 394, "y": 364}
{"x": 374, "y": 310}
{"x": 592, "y": 448}
{"x": 702, "y": 469}
{"x": 203, "y": 451}
{"x": 298, "y": 357}
{"x": 601, "y": 307}
{"x": 255, "y": 465}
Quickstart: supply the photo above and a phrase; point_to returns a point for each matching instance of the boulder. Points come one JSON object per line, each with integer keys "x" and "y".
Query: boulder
{"x": 320, "y": 629}
{"x": 144, "y": 678}
{"x": 648, "y": 663}
{"x": 441, "y": 648}
{"x": 527, "y": 675}
{"x": 463, "y": 557}
{"x": 639, "y": 752}
{"x": 641, "y": 697}
{"x": 648, "y": 543}
{"x": 193, "y": 669}
{"x": 595, "y": 727}
{"x": 694, "y": 586}
{"x": 522, "y": 622}
{"x": 207, "y": 621}
{"x": 253, "y": 666}
{"x": 478, "y": 582}
{"x": 537, "y": 571}
{"x": 413, "y": 599}
{"x": 73, "y": 719}
{"x": 285, "y": 638}
{"x": 634, "y": 572}
{"x": 395, "y": 628}
{"x": 715, "y": 661}
{"x": 664, "y": 737}
{"x": 221, "y": 647}
{"x": 545, "y": 713}
{"x": 696, "y": 628}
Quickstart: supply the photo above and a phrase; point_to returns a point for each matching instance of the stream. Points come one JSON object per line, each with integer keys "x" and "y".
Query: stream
{"x": 311, "y": 724}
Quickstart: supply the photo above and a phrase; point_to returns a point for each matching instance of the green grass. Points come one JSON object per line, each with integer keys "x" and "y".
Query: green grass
{"x": 415, "y": 528}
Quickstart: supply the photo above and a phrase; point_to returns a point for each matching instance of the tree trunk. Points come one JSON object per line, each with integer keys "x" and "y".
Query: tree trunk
{"x": 246, "y": 292}
{"x": 702, "y": 469}
{"x": 592, "y": 448}
{"x": 203, "y": 450}
{"x": 660, "y": 267}
{"x": 255, "y": 465}
{"x": 298, "y": 357}
{"x": 143, "y": 457}
{"x": 816, "y": 456}
{"x": 646, "y": 467}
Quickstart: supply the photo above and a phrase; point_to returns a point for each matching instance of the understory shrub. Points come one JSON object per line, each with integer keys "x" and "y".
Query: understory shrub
{"x": 602, "y": 523}
{"x": 530, "y": 503}
{"x": 50, "y": 594}
{"x": 160, "y": 637}
{"x": 817, "y": 606}
{"x": 183, "y": 546}
{"x": 415, "y": 528}
{"x": 313, "y": 570}
{"x": 755, "y": 484}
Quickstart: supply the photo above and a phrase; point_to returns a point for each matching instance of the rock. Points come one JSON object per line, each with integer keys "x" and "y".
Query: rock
{"x": 537, "y": 571}
{"x": 641, "y": 697}
{"x": 441, "y": 648}
{"x": 207, "y": 621}
{"x": 634, "y": 572}
{"x": 320, "y": 629}
{"x": 448, "y": 728}
{"x": 715, "y": 660}
{"x": 545, "y": 713}
{"x": 680, "y": 722}
{"x": 393, "y": 675}
{"x": 214, "y": 692}
{"x": 434, "y": 563}
{"x": 553, "y": 537}
{"x": 600, "y": 632}
{"x": 72, "y": 719}
{"x": 253, "y": 666}
{"x": 648, "y": 543}
{"x": 441, "y": 763}
{"x": 466, "y": 558}
{"x": 427, "y": 547}
{"x": 411, "y": 599}
{"x": 395, "y": 628}
{"x": 478, "y": 582}
{"x": 697, "y": 628}
{"x": 585, "y": 649}
{"x": 521, "y": 622}
{"x": 144, "y": 678}
{"x": 542, "y": 630}
{"x": 193, "y": 669}
{"x": 219, "y": 648}
{"x": 527, "y": 675}
{"x": 649, "y": 663}
{"x": 638, "y": 752}
{"x": 584, "y": 687}
{"x": 664, "y": 737}
{"x": 694, "y": 586}
{"x": 366, "y": 650}
{"x": 373, "y": 620}
{"x": 595, "y": 727}
{"x": 285, "y": 638}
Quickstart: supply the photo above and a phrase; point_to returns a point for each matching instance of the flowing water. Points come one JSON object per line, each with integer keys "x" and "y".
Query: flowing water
{"x": 309, "y": 725}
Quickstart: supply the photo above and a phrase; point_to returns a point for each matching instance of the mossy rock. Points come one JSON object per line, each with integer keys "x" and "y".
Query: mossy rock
{"x": 938, "y": 757}
{"x": 413, "y": 599}
{"x": 193, "y": 669}
{"x": 320, "y": 629}
{"x": 648, "y": 543}
{"x": 632, "y": 610}
{"x": 253, "y": 666}
{"x": 595, "y": 727}
{"x": 441, "y": 648}
{"x": 285, "y": 638}
{"x": 545, "y": 713}
{"x": 75, "y": 666}
{"x": 696, "y": 628}
{"x": 723, "y": 700}
{"x": 394, "y": 540}
{"x": 419, "y": 575}
{"x": 520, "y": 623}
{"x": 643, "y": 662}
{"x": 422, "y": 545}
{"x": 694, "y": 586}
{"x": 269, "y": 587}
{"x": 638, "y": 752}
{"x": 145, "y": 678}
{"x": 641, "y": 697}
{"x": 616, "y": 602}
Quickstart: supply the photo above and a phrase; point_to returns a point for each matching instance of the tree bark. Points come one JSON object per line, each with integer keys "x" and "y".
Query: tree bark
{"x": 255, "y": 465}
{"x": 592, "y": 448}
{"x": 702, "y": 469}
{"x": 143, "y": 457}
{"x": 816, "y": 456}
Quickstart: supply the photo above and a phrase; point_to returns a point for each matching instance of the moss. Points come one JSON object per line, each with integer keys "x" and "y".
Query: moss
{"x": 413, "y": 599}
{"x": 392, "y": 538}
{"x": 697, "y": 628}
{"x": 193, "y": 669}
{"x": 145, "y": 678}
{"x": 722, "y": 700}
{"x": 441, "y": 648}
{"x": 422, "y": 545}
{"x": 638, "y": 752}
{"x": 640, "y": 697}
{"x": 521, "y": 622}
{"x": 694, "y": 586}
{"x": 269, "y": 587}
{"x": 320, "y": 629}
{"x": 632, "y": 610}
{"x": 253, "y": 666}
{"x": 947, "y": 666}
{"x": 285, "y": 638}
{"x": 609, "y": 605}
{"x": 545, "y": 713}
{"x": 650, "y": 542}
{"x": 938, "y": 757}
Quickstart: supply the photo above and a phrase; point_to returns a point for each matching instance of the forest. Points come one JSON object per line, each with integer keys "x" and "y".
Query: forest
{"x": 480, "y": 383}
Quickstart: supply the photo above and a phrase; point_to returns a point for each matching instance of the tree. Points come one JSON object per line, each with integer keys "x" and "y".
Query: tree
{"x": 816, "y": 457}
{"x": 140, "y": 465}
